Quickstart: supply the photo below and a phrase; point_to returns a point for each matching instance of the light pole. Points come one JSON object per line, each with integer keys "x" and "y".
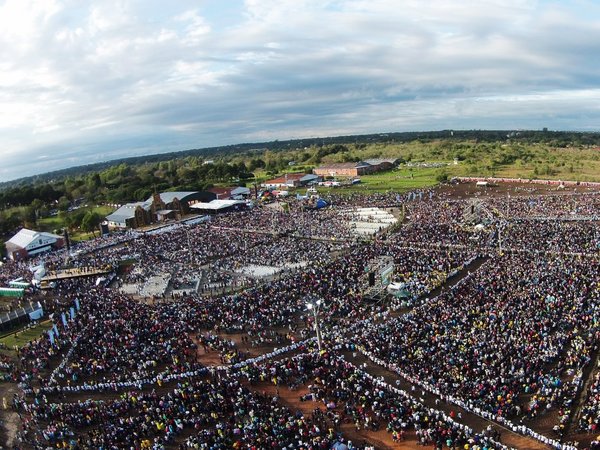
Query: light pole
{"x": 501, "y": 226}
{"x": 189, "y": 243}
{"x": 314, "y": 307}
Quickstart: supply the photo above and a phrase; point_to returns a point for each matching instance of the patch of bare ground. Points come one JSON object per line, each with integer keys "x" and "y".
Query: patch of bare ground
{"x": 10, "y": 424}
{"x": 379, "y": 439}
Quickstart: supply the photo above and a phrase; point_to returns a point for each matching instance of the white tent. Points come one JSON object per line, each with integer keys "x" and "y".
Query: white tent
{"x": 217, "y": 205}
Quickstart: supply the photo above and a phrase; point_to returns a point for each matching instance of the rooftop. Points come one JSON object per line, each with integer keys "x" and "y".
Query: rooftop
{"x": 25, "y": 237}
{"x": 215, "y": 205}
{"x": 344, "y": 165}
{"x": 168, "y": 197}
{"x": 127, "y": 211}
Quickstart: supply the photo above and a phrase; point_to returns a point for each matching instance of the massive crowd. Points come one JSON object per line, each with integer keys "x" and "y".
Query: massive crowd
{"x": 561, "y": 206}
{"x": 221, "y": 411}
{"x": 513, "y": 339}
{"x": 510, "y": 339}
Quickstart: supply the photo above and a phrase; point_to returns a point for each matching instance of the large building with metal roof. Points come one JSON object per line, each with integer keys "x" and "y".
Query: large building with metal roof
{"x": 28, "y": 243}
{"x": 158, "y": 208}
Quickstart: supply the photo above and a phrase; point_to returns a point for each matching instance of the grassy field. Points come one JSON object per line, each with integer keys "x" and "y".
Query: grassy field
{"x": 511, "y": 159}
{"x": 402, "y": 179}
{"x": 50, "y": 223}
{"x": 21, "y": 338}
{"x": 53, "y": 223}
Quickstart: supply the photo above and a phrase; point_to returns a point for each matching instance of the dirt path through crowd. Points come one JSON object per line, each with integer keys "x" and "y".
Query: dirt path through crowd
{"x": 380, "y": 439}
{"x": 477, "y": 423}
{"x": 10, "y": 421}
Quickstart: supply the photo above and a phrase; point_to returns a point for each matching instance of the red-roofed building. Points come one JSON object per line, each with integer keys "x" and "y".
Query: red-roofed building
{"x": 222, "y": 193}
{"x": 229, "y": 193}
{"x": 291, "y": 180}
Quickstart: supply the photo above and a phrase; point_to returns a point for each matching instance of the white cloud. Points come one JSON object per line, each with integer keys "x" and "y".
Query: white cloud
{"x": 118, "y": 76}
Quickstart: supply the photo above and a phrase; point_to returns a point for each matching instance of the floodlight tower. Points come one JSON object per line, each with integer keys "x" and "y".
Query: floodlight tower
{"x": 315, "y": 307}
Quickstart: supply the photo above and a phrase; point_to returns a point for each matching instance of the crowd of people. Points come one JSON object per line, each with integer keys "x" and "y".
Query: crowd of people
{"x": 511, "y": 339}
{"x": 222, "y": 411}
{"x": 589, "y": 419}
{"x": 558, "y": 206}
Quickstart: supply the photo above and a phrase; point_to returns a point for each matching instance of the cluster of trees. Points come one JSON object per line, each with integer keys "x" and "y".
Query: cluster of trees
{"x": 123, "y": 183}
{"x": 24, "y": 205}
{"x": 84, "y": 219}
{"x": 559, "y": 139}
{"x": 24, "y": 202}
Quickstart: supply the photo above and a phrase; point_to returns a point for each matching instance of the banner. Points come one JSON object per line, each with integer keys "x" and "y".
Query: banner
{"x": 55, "y": 328}
{"x": 36, "y": 314}
{"x": 51, "y": 336}
{"x": 64, "y": 319}
{"x": 72, "y": 311}
{"x": 77, "y": 304}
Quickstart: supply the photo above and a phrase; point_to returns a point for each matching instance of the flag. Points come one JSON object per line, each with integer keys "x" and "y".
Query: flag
{"x": 321, "y": 203}
{"x": 64, "y": 319}
{"x": 51, "y": 336}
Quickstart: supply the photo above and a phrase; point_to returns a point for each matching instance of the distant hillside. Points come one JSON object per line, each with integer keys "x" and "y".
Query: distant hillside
{"x": 556, "y": 138}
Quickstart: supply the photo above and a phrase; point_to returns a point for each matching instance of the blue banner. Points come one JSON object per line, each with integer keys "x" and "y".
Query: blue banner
{"x": 64, "y": 319}
{"x": 72, "y": 310}
{"x": 55, "y": 328}
{"x": 36, "y": 314}
{"x": 51, "y": 336}
{"x": 77, "y": 304}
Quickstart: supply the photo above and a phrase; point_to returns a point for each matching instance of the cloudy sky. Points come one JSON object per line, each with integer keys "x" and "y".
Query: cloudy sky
{"x": 89, "y": 81}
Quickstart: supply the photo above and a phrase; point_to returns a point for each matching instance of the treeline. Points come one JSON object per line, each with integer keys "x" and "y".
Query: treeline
{"x": 25, "y": 202}
{"x": 124, "y": 182}
{"x": 559, "y": 139}
{"x": 25, "y": 205}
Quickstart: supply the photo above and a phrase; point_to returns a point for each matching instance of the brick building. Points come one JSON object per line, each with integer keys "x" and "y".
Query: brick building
{"x": 355, "y": 169}
{"x": 347, "y": 169}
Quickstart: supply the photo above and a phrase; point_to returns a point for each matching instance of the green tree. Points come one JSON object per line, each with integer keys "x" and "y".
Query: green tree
{"x": 37, "y": 206}
{"x": 9, "y": 222}
{"x": 63, "y": 203}
{"x": 93, "y": 185}
{"x": 69, "y": 220}
{"x": 256, "y": 163}
{"x": 91, "y": 221}
{"x": 441, "y": 176}
{"x": 29, "y": 217}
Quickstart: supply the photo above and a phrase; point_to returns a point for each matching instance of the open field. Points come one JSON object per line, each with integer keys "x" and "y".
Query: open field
{"x": 400, "y": 180}
{"x": 22, "y": 337}
{"x": 50, "y": 224}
